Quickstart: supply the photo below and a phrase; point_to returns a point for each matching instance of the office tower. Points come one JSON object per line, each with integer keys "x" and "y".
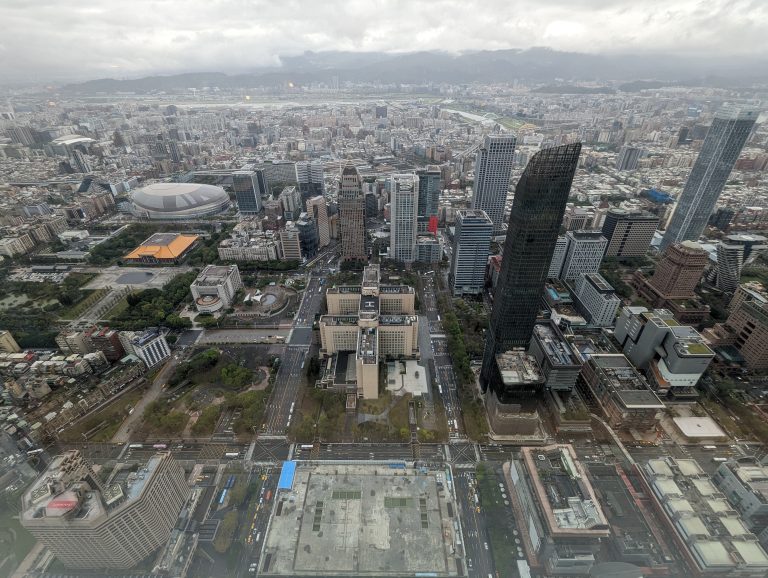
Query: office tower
{"x": 722, "y": 146}
{"x": 596, "y": 299}
{"x": 493, "y": 168}
{"x": 175, "y": 151}
{"x": 584, "y": 255}
{"x": 290, "y": 201}
{"x": 733, "y": 254}
{"x": 309, "y": 175}
{"x": 628, "y": 157}
{"x": 629, "y": 233}
{"x": 8, "y": 343}
{"x": 81, "y": 163}
{"x": 90, "y": 526}
{"x": 249, "y": 186}
{"x": 471, "y": 245}
{"x": 290, "y": 242}
{"x": 429, "y": 191}
{"x": 537, "y": 212}
{"x": 352, "y": 216}
{"x": 318, "y": 210}
{"x": 747, "y": 325}
{"x": 558, "y": 258}
{"x": 151, "y": 347}
{"x": 308, "y": 238}
{"x": 404, "y": 199}
{"x": 682, "y": 135}
{"x": 679, "y": 271}
{"x": 381, "y": 111}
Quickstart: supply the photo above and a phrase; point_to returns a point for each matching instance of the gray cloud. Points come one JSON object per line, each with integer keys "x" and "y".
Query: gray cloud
{"x": 125, "y": 38}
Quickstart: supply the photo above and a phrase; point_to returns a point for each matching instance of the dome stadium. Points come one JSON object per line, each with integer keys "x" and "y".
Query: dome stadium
{"x": 178, "y": 201}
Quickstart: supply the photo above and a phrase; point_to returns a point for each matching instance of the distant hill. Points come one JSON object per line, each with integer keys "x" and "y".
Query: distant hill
{"x": 542, "y": 65}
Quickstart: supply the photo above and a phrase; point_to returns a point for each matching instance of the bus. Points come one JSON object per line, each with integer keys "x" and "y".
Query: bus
{"x": 719, "y": 460}
{"x": 232, "y": 455}
{"x": 135, "y": 446}
{"x": 306, "y": 446}
{"x": 35, "y": 452}
{"x": 160, "y": 446}
{"x": 710, "y": 447}
{"x": 223, "y": 496}
{"x": 268, "y": 496}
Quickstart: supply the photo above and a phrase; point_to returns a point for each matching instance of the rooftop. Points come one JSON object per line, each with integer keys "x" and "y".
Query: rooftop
{"x": 164, "y": 246}
{"x": 618, "y": 374}
{"x": 214, "y": 275}
{"x": 518, "y": 367}
{"x": 555, "y": 347}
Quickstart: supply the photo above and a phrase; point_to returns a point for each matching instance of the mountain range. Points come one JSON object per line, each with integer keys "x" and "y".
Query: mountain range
{"x": 538, "y": 65}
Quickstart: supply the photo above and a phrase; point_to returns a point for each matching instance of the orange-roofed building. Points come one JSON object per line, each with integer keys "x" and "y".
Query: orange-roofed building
{"x": 163, "y": 249}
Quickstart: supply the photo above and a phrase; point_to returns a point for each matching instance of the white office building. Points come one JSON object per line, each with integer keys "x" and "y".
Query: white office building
{"x": 215, "y": 287}
{"x": 558, "y": 258}
{"x": 597, "y": 298}
{"x": 151, "y": 347}
{"x": 584, "y": 254}
{"x": 404, "y": 200}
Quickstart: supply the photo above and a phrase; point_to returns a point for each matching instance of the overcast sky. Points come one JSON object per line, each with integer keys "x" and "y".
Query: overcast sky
{"x": 128, "y": 38}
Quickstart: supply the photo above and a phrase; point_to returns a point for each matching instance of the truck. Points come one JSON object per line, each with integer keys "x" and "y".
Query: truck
{"x": 232, "y": 455}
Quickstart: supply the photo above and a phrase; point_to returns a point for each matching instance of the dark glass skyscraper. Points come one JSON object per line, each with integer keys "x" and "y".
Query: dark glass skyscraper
{"x": 429, "y": 191}
{"x": 537, "y": 212}
{"x": 722, "y": 147}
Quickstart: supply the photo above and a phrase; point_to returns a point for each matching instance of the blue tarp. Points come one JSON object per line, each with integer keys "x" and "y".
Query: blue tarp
{"x": 286, "y": 476}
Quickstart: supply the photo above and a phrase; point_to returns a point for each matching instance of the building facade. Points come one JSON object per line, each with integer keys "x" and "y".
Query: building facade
{"x": 151, "y": 347}
{"x": 429, "y": 190}
{"x": 249, "y": 186}
{"x": 629, "y": 233}
{"x": 352, "y": 216}
{"x": 584, "y": 254}
{"x": 722, "y": 146}
{"x": 404, "y": 199}
{"x": 597, "y": 299}
{"x": 471, "y": 246}
{"x": 537, "y": 211}
{"x": 318, "y": 210}
{"x": 493, "y": 169}
{"x": 87, "y": 525}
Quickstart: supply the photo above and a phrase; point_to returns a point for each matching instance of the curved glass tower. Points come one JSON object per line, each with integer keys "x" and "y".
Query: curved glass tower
{"x": 537, "y": 212}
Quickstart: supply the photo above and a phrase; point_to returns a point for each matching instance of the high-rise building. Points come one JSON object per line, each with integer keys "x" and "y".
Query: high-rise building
{"x": 249, "y": 186}
{"x": 493, "y": 169}
{"x": 629, "y": 233}
{"x": 352, "y": 215}
{"x": 290, "y": 242}
{"x": 721, "y": 218}
{"x": 537, "y": 212}
{"x": 81, "y": 162}
{"x": 748, "y": 324}
{"x": 597, "y": 299}
{"x": 733, "y": 254}
{"x": 584, "y": 255}
{"x": 8, "y": 343}
{"x": 429, "y": 191}
{"x": 116, "y": 525}
{"x": 679, "y": 271}
{"x": 628, "y": 157}
{"x": 558, "y": 258}
{"x": 471, "y": 245}
{"x": 404, "y": 198}
{"x": 107, "y": 341}
{"x": 310, "y": 176}
{"x": 318, "y": 210}
{"x": 290, "y": 201}
{"x": 308, "y": 237}
{"x": 151, "y": 347}
{"x": 722, "y": 146}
